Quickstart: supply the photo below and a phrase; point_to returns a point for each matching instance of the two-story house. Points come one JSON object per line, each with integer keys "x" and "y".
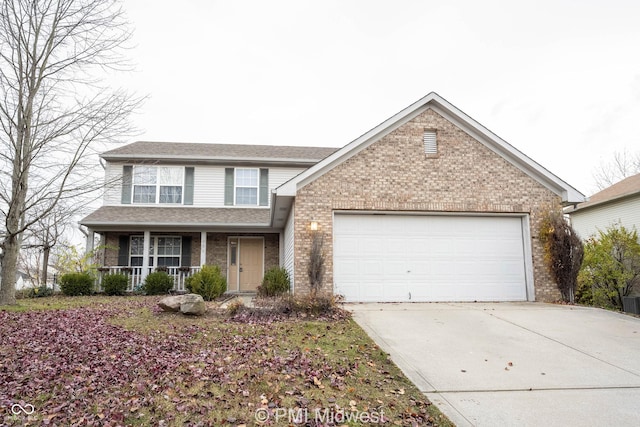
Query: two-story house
{"x": 427, "y": 206}
{"x": 186, "y": 205}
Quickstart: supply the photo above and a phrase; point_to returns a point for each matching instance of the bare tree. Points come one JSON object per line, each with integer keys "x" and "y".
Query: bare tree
{"x": 623, "y": 165}
{"x": 53, "y": 115}
{"x": 44, "y": 235}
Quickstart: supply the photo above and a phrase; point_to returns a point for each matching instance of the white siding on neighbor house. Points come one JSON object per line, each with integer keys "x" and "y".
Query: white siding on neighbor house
{"x": 625, "y": 212}
{"x": 113, "y": 181}
{"x": 289, "y": 242}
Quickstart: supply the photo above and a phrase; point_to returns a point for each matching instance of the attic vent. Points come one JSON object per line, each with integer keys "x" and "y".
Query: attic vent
{"x": 429, "y": 140}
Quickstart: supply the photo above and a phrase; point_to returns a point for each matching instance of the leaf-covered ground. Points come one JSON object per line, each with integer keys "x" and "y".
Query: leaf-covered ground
{"x": 120, "y": 361}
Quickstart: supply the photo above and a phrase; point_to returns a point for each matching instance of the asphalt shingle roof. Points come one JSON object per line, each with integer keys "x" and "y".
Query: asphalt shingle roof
{"x": 626, "y": 187}
{"x": 184, "y": 150}
{"x": 178, "y": 216}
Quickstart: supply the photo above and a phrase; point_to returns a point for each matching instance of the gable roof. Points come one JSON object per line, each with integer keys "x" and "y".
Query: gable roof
{"x": 434, "y": 101}
{"x": 217, "y": 153}
{"x": 628, "y": 187}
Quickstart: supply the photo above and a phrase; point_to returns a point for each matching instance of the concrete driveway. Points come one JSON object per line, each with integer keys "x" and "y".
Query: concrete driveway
{"x": 507, "y": 364}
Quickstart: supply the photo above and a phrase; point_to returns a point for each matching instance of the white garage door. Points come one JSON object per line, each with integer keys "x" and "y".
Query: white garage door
{"x": 429, "y": 258}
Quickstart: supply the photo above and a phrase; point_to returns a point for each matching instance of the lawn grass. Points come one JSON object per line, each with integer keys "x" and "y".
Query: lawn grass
{"x": 120, "y": 361}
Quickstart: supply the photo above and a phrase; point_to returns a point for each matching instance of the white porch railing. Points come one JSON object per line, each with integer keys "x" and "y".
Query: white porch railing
{"x": 136, "y": 278}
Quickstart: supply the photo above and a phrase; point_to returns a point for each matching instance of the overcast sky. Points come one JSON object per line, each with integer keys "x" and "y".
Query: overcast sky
{"x": 559, "y": 80}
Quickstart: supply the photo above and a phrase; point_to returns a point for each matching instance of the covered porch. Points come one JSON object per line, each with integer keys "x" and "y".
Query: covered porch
{"x": 139, "y": 247}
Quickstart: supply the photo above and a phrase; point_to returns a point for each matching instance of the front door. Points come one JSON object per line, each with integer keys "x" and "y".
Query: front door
{"x": 246, "y": 263}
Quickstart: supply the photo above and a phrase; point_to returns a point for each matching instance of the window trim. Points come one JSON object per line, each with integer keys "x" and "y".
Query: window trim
{"x": 236, "y": 186}
{"x": 157, "y": 185}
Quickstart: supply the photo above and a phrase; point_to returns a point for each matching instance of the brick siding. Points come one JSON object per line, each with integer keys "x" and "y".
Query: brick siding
{"x": 395, "y": 174}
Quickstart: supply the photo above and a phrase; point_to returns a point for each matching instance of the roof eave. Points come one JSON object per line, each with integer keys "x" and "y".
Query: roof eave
{"x": 226, "y": 160}
{"x": 588, "y": 205}
{"x": 568, "y": 194}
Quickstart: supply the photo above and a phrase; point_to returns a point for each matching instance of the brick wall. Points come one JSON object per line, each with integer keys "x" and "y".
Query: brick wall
{"x": 394, "y": 174}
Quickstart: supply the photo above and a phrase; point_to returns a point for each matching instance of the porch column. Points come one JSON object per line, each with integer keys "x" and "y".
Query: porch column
{"x": 203, "y": 248}
{"x": 91, "y": 236}
{"x": 145, "y": 258}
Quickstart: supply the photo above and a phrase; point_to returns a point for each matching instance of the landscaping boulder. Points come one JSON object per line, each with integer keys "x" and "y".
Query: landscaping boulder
{"x": 193, "y": 304}
{"x": 171, "y": 303}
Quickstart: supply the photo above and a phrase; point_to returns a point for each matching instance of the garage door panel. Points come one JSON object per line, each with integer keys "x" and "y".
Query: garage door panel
{"x": 393, "y": 290}
{"x": 374, "y": 292}
{"x": 393, "y": 269}
{"x": 429, "y": 258}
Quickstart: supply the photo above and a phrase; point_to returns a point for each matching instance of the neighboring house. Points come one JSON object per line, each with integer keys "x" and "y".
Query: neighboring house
{"x": 615, "y": 205}
{"x": 427, "y": 206}
{"x": 23, "y": 281}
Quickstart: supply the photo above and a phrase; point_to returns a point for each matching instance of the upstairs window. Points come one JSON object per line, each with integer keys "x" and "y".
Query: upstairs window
{"x": 170, "y": 188}
{"x": 246, "y": 187}
{"x": 430, "y": 142}
{"x": 158, "y": 184}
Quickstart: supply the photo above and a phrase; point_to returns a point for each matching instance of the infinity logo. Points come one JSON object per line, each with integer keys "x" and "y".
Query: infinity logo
{"x": 27, "y": 409}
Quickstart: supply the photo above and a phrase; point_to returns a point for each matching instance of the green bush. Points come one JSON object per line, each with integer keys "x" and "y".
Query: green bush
{"x": 115, "y": 284}
{"x": 73, "y": 284}
{"x": 39, "y": 292}
{"x": 611, "y": 268}
{"x": 275, "y": 282}
{"x": 158, "y": 283}
{"x": 208, "y": 282}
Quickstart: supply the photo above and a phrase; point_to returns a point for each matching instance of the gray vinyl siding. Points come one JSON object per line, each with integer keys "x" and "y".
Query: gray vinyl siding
{"x": 208, "y": 186}
{"x": 113, "y": 184}
{"x": 278, "y": 176}
{"x": 288, "y": 261}
{"x": 625, "y": 212}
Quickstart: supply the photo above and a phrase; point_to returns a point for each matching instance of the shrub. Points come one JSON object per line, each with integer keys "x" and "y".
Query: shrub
{"x": 275, "y": 282}
{"x": 611, "y": 267}
{"x": 39, "y": 292}
{"x": 235, "y": 307}
{"x": 208, "y": 282}
{"x": 318, "y": 305}
{"x": 73, "y": 284}
{"x": 301, "y": 304}
{"x": 115, "y": 284}
{"x": 158, "y": 283}
{"x": 316, "y": 263}
{"x": 563, "y": 252}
